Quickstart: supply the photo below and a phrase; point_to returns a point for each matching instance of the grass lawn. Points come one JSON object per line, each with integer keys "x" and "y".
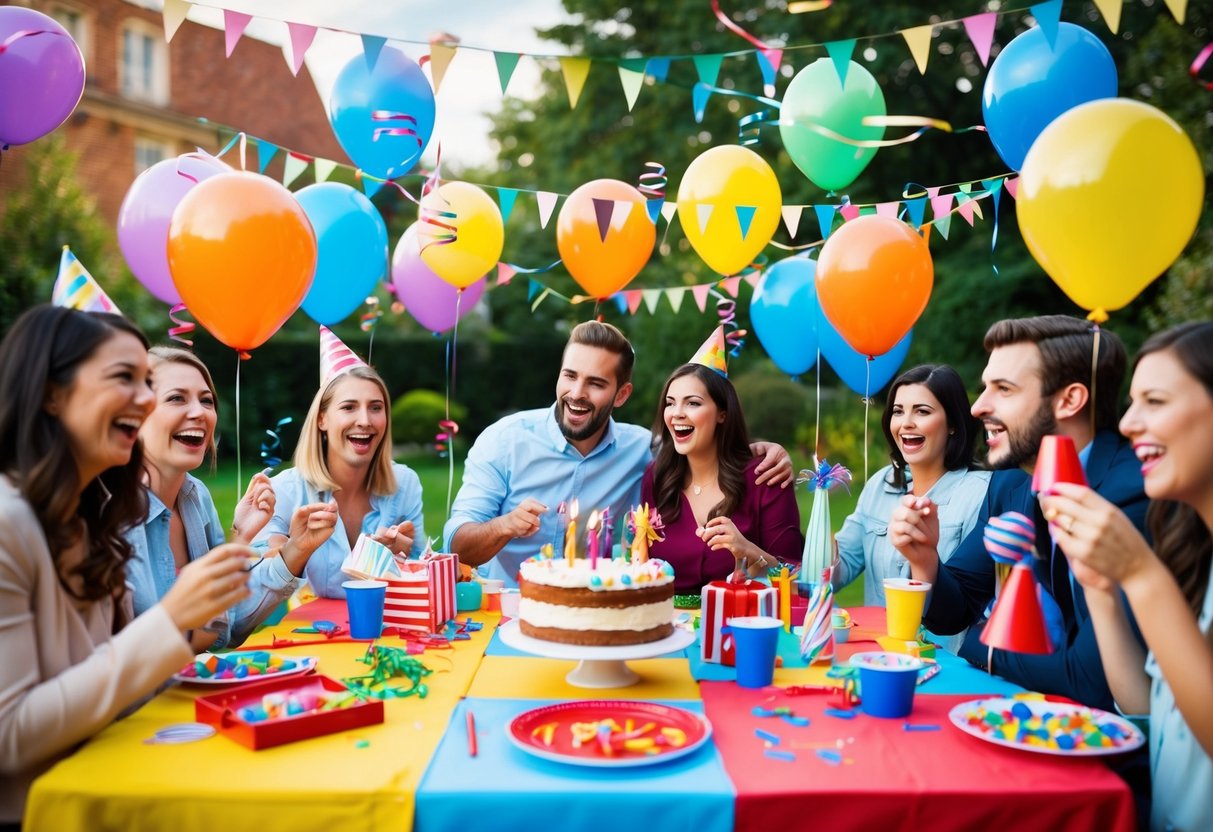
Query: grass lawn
{"x": 434, "y": 474}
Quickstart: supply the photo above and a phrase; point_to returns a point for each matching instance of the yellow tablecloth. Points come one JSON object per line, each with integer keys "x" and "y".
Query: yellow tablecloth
{"x": 116, "y": 781}
{"x": 510, "y": 677}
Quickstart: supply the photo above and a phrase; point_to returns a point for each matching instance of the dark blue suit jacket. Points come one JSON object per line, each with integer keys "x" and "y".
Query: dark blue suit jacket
{"x": 965, "y": 584}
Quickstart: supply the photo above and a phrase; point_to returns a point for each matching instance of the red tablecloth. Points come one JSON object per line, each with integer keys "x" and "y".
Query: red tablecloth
{"x": 890, "y": 778}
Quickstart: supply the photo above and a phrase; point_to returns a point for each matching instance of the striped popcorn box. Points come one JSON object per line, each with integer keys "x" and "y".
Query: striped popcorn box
{"x": 722, "y": 601}
{"x": 424, "y": 598}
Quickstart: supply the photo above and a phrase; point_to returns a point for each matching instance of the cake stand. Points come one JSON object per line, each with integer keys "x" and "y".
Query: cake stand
{"x": 597, "y": 667}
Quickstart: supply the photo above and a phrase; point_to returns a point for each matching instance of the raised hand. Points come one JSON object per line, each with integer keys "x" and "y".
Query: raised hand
{"x": 523, "y": 521}
{"x": 254, "y": 510}
{"x": 1102, "y": 545}
{"x": 914, "y": 531}
{"x": 399, "y": 538}
{"x": 208, "y": 586}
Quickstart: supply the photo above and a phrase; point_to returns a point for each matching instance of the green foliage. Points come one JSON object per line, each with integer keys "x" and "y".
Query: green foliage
{"x": 774, "y": 406}
{"x": 416, "y": 414}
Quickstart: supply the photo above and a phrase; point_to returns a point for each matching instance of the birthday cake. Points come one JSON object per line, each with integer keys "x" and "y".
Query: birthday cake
{"x": 617, "y": 602}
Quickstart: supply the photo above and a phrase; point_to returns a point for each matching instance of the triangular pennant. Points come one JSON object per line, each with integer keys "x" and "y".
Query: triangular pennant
{"x": 372, "y": 45}
{"x": 533, "y": 287}
{"x": 632, "y": 82}
{"x": 703, "y": 212}
{"x": 708, "y": 68}
{"x": 712, "y": 353}
{"x": 888, "y": 209}
{"x": 603, "y": 210}
{"x": 506, "y": 197}
{"x": 849, "y": 211}
{"x": 675, "y": 296}
{"x": 1110, "y": 9}
{"x": 234, "y": 24}
{"x": 933, "y": 191}
{"x": 293, "y": 168}
{"x": 266, "y": 151}
{"x": 651, "y": 298}
{"x": 507, "y": 62}
{"x": 941, "y": 206}
{"x": 700, "y": 94}
{"x": 441, "y": 55}
{"x": 370, "y": 187}
{"x": 791, "y": 218}
{"x": 980, "y": 28}
{"x": 634, "y": 296}
{"x": 752, "y": 278}
{"x": 1048, "y": 15}
{"x": 547, "y": 203}
{"x": 965, "y": 207}
{"x": 943, "y": 225}
{"x": 700, "y": 293}
{"x": 915, "y": 209}
{"x": 301, "y": 39}
{"x": 768, "y": 65}
{"x": 623, "y": 210}
{"x": 668, "y": 211}
{"x": 659, "y": 68}
{"x": 1011, "y": 183}
{"x": 918, "y": 39}
{"x": 621, "y": 303}
{"x": 505, "y": 273}
{"x": 575, "y": 72}
{"x": 654, "y": 206}
{"x": 75, "y": 288}
{"x": 745, "y": 216}
{"x": 174, "y": 16}
{"x": 840, "y": 53}
{"x": 1178, "y": 9}
{"x": 731, "y": 285}
{"x": 825, "y": 218}
{"x": 324, "y": 169}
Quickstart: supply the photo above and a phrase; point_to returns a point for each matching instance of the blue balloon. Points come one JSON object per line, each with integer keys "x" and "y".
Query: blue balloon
{"x": 351, "y": 250}
{"x": 383, "y": 118}
{"x": 854, "y": 367}
{"x": 784, "y": 313}
{"x": 1031, "y": 83}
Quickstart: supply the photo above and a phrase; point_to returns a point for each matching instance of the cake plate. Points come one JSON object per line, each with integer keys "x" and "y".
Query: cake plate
{"x": 597, "y": 667}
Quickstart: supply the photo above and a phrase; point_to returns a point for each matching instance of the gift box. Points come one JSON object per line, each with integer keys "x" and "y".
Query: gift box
{"x": 222, "y": 710}
{"x": 424, "y": 598}
{"x": 722, "y": 601}
{"x": 370, "y": 560}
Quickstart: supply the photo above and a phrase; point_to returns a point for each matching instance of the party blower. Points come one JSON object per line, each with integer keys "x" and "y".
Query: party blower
{"x": 1057, "y": 461}
{"x": 1017, "y": 622}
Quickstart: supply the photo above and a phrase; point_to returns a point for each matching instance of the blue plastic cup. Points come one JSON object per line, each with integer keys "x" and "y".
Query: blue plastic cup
{"x": 755, "y": 638}
{"x": 886, "y": 683}
{"x": 467, "y": 596}
{"x": 365, "y": 601}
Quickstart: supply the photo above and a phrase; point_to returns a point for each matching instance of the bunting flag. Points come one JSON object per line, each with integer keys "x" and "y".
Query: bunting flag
{"x": 700, "y": 293}
{"x": 918, "y": 39}
{"x": 441, "y": 55}
{"x": 915, "y": 210}
{"x": 324, "y": 169}
{"x": 76, "y": 289}
{"x": 675, "y": 296}
{"x": 603, "y": 211}
{"x": 234, "y": 24}
{"x": 301, "y": 39}
{"x": 631, "y": 79}
{"x": 1110, "y": 9}
{"x": 888, "y": 209}
{"x": 768, "y": 64}
{"x": 1048, "y": 16}
{"x": 651, "y": 297}
{"x": 505, "y": 273}
{"x": 731, "y": 285}
{"x": 745, "y": 216}
{"x": 174, "y": 16}
{"x": 941, "y": 205}
{"x": 1011, "y": 184}
{"x": 370, "y": 186}
{"x": 708, "y": 68}
{"x": 840, "y": 53}
{"x": 507, "y": 62}
{"x": 980, "y": 28}
{"x": 266, "y": 151}
{"x": 658, "y": 68}
{"x": 372, "y": 45}
{"x": 546, "y": 200}
{"x": 849, "y": 211}
{"x": 668, "y": 211}
{"x": 293, "y": 168}
{"x": 1179, "y": 9}
{"x": 825, "y": 218}
{"x": 633, "y": 298}
{"x": 575, "y": 72}
{"x": 943, "y": 225}
{"x": 703, "y": 212}
{"x": 791, "y": 218}
{"x": 506, "y": 198}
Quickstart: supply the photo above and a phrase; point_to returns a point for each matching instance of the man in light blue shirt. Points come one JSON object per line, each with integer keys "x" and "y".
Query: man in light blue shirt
{"x": 527, "y": 463}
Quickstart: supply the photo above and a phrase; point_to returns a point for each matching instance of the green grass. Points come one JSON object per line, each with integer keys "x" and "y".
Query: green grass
{"x": 434, "y": 474}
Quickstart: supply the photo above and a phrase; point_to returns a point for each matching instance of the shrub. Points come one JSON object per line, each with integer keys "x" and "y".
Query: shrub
{"x": 416, "y": 414}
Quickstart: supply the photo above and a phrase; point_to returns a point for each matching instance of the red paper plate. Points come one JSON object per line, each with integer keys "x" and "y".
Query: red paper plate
{"x": 674, "y": 731}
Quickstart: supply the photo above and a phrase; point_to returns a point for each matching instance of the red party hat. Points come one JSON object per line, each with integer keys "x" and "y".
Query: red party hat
{"x": 1017, "y": 622}
{"x": 1057, "y": 461}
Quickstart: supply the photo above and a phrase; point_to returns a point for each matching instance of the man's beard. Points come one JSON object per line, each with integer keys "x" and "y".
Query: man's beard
{"x": 597, "y": 419}
{"x": 1023, "y": 444}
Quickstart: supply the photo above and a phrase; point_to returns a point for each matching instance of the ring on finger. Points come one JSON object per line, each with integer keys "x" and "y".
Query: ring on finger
{"x": 1067, "y": 523}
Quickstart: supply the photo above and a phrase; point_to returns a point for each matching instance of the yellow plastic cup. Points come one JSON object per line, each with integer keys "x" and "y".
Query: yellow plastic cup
{"x": 904, "y": 599}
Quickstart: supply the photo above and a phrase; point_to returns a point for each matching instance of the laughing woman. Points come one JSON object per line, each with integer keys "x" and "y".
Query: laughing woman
{"x": 182, "y": 524}
{"x": 344, "y": 459}
{"x": 73, "y": 394}
{"x": 931, "y": 434}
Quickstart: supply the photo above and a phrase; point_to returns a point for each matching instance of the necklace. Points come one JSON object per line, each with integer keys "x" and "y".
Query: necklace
{"x": 697, "y": 489}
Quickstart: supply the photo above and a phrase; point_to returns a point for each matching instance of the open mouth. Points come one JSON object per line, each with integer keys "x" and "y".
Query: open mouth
{"x": 361, "y": 441}
{"x": 681, "y": 432}
{"x": 911, "y": 442}
{"x": 192, "y": 439}
{"x": 577, "y": 411}
{"x": 1149, "y": 456}
{"x": 995, "y": 431}
{"x": 129, "y": 426}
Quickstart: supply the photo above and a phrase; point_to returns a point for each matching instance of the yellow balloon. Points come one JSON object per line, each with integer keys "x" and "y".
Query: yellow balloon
{"x": 1109, "y": 195}
{"x": 479, "y": 234}
{"x": 737, "y": 187}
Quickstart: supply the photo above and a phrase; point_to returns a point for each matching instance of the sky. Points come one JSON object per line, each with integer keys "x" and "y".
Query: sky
{"x": 470, "y": 88}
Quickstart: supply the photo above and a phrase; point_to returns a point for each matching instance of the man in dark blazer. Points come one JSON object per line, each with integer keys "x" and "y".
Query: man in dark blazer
{"x": 1037, "y": 381}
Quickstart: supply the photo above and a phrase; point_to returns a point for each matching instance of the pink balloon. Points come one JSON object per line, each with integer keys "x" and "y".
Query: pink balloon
{"x": 425, "y": 295}
{"x": 146, "y": 211}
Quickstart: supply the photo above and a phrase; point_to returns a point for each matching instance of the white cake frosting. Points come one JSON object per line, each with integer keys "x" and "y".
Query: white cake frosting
{"x": 608, "y": 575}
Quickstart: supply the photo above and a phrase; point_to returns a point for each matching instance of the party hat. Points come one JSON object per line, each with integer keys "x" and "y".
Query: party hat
{"x": 712, "y": 353}
{"x": 1017, "y": 622}
{"x": 75, "y": 288}
{"x": 335, "y": 357}
{"x": 1056, "y": 461}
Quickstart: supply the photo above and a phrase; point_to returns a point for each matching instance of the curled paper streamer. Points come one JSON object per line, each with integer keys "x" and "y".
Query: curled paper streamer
{"x": 825, "y": 477}
{"x": 388, "y": 115}
{"x": 653, "y": 181}
{"x": 25, "y": 33}
{"x": 1198, "y": 63}
{"x": 271, "y": 446}
{"x": 371, "y": 316}
{"x": 442, "y": 439}
{"x": 734, "y": 336}
{"x": 770, "y": 55}
{"x": 180, "y": 327}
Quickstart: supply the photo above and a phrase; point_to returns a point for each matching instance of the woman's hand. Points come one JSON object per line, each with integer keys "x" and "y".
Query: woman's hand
{"x": 1102, "y": 545}
{"x": 311, "y": 525}
{"x": 398, "y": 538}
{"x": 254, "y": 510}
{"x": 208, "y": 586}
{"x": 722, "y": 533}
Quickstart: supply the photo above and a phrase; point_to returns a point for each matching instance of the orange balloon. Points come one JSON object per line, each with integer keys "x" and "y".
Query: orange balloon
{"x": 874, "y": 277}
{"x": 242, "y": 254}
{"x": 604, "y": 235}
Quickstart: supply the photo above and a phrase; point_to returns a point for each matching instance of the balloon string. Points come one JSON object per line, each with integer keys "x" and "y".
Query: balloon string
{"x": 867, "y": 407}
{"x": 1094, "y": 378}
{"x": 817, "y": 423}
{"x": 449, "y": 426}
{"x": 367, "y": 323}
{"x": 239, "y": 470}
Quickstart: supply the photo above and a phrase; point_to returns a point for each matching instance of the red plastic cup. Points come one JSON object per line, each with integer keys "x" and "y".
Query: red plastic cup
{"x": 1057, "y": 461}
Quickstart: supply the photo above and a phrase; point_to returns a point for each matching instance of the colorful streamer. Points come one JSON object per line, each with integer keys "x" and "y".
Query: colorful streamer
{"x": 1198, "y": 64}
{"x": 180, "y": 327}
{"x": 388, "y": 115}
{"x": 271, "y": 446}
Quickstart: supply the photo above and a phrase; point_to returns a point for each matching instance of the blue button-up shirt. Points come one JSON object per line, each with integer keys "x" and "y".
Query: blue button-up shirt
{"x": 153, "y": 571}
{"x": 323, "y": 570}
{"x": 525, "y": 455}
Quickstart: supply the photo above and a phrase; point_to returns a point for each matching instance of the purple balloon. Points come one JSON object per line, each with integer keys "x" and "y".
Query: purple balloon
{"x": 146, "y": 211}
{"x": 425, "y": 295}
{"x": 41, "y": 73}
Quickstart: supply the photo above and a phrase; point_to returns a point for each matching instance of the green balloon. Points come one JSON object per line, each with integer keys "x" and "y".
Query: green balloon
{"x": 816, "y": 98}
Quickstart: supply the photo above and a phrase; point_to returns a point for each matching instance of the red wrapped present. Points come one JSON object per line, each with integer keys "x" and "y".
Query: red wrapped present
{"x": 722, "y": 601}
{"x": 424, "y": 599}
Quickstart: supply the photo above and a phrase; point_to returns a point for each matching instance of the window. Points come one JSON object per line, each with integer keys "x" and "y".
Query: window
{"x": 77, "y": 24}
{"x": 144, "y": 63}
{"x": 149, "y": 151}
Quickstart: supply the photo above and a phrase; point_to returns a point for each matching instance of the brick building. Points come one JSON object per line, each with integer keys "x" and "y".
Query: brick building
{"x": 143, "y": 97}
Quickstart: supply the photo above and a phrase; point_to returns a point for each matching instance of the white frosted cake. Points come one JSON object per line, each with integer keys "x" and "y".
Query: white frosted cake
{"x": 616, "y": 603}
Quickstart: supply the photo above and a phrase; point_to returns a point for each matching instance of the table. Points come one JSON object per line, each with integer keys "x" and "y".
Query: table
{"x": 416, "y": 772}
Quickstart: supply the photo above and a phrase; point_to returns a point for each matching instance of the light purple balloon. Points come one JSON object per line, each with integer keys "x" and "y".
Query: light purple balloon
{"x": 41, "y": 75}
{"x": 425, "y": 295}
{"x": 146, "y": 211}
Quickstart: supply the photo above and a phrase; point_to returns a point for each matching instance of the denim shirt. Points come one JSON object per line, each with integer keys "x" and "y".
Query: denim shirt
{"x": 153, "y": 571}
{"x": 323, "y": 570}
{"x": 526, "y": 455}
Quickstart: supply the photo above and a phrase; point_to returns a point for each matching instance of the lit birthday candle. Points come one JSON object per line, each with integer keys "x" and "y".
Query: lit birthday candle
{"x": 591, "y": 541}
{"x": 608, "y": 534}
{"x": 570, "y": 535}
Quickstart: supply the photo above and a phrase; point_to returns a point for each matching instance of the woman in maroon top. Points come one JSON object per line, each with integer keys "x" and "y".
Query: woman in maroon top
{"x": 701, "y": 480}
